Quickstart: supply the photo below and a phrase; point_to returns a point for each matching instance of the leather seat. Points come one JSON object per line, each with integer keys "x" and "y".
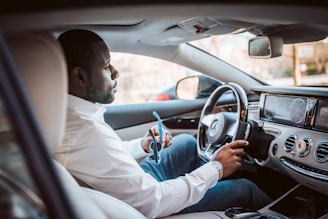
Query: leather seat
{"x": 40, "y": 61}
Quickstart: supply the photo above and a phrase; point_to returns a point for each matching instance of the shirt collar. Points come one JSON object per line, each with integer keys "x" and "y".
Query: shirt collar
{"x": 84, "y": 107}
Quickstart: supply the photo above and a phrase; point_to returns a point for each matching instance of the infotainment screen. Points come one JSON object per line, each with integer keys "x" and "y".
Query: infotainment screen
{"x": 288, "y": 110}
{"x": 321, "y": 117}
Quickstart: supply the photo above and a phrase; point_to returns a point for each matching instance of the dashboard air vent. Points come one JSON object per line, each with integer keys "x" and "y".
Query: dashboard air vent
{"x": 290, "y": 143}
{"x": 253, "y": 106}
{"x": 317, "y": 173}
{"x": 321, "y": 152}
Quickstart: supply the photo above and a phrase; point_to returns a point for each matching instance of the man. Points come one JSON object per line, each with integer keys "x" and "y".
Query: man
{"x": 94, "y": 153}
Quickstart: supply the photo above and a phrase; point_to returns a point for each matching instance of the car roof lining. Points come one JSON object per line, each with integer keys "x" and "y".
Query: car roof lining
{"x": 228, "y": 15}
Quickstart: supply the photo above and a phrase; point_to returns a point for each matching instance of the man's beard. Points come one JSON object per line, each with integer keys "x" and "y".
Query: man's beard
{"x": 100, "y": 96}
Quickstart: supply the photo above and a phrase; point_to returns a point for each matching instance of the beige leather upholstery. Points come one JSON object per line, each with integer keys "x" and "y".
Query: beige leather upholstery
{"x": 200, "y": 215}
{"x": 42, "y": 66}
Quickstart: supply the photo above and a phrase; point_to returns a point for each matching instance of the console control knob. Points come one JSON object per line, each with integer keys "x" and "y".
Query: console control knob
{"x": 300, "y": 146}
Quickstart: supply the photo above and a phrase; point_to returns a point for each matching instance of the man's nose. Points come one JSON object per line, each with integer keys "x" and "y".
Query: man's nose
{"x": 115, "y": 73}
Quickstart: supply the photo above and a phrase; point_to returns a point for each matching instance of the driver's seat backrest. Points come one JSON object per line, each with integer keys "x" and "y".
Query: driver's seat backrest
{"x": 41, "y": 63}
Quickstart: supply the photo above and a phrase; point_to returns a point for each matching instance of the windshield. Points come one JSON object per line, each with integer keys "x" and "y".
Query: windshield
{"x": 147, "y": 79}
{"x": 304, "y": 64}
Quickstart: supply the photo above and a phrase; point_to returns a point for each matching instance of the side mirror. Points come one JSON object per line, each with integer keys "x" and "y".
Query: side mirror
{"x": 195, "y": 87}
{"x": 265, "y": 47}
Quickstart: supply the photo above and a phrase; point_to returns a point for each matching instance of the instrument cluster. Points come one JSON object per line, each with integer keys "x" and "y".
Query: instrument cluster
{"x": 304, "y": 112}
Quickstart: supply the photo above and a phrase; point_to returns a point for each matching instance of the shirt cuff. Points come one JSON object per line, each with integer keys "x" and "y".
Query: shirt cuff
{"x": 208, "y": 173}
{"x": 135, "y": 148}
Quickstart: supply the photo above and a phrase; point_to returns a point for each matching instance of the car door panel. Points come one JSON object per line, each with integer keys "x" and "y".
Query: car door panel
{"x": 123, "y": 116}
{"x": 178, "y": 116}
{"x": 133, "y": 121}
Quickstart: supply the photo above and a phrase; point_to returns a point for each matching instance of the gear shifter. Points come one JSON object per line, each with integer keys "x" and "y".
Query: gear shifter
{"x": 231, "y": 212}
{"x": 248, "y": 215}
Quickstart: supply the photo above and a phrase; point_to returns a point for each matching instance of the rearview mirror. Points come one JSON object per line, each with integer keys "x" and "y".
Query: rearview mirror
{"x": 194, "y": 87}
{"x": 265, "y": 47}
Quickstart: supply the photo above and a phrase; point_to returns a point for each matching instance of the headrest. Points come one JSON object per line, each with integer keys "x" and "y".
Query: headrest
{"x": 41, "y": 64}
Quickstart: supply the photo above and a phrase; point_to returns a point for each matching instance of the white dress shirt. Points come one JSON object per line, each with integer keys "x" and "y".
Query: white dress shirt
{"x": 95, "y": 154}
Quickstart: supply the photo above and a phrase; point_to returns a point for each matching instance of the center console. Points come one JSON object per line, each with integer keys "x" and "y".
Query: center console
{"x": 298, "y": 203}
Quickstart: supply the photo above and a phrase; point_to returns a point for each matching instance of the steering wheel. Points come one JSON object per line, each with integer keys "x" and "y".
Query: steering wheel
{"x": 216, "y": 129}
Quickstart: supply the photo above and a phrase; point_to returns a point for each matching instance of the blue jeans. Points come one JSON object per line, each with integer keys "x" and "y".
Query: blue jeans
{"x": 181, "y": 158}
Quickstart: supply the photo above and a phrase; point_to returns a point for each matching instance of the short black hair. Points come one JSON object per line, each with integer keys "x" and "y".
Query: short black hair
{"x": 78, "y": 50}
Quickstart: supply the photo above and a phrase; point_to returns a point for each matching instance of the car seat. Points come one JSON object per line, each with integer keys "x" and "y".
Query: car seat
{"x": 41, "y": 63}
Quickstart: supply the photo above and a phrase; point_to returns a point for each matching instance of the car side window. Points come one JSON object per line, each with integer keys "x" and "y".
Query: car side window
{"x": 19, "y": 198}
{"x": 146, "y": 79}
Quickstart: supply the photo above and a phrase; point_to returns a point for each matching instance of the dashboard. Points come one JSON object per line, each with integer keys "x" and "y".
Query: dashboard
{"x": 297, "y": 118}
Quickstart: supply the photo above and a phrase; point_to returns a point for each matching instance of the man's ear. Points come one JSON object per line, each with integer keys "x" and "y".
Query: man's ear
{"x": 78, "y": 76}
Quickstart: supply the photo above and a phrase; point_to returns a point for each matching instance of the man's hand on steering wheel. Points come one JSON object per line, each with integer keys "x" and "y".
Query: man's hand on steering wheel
{"x": 229, "y": 155}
